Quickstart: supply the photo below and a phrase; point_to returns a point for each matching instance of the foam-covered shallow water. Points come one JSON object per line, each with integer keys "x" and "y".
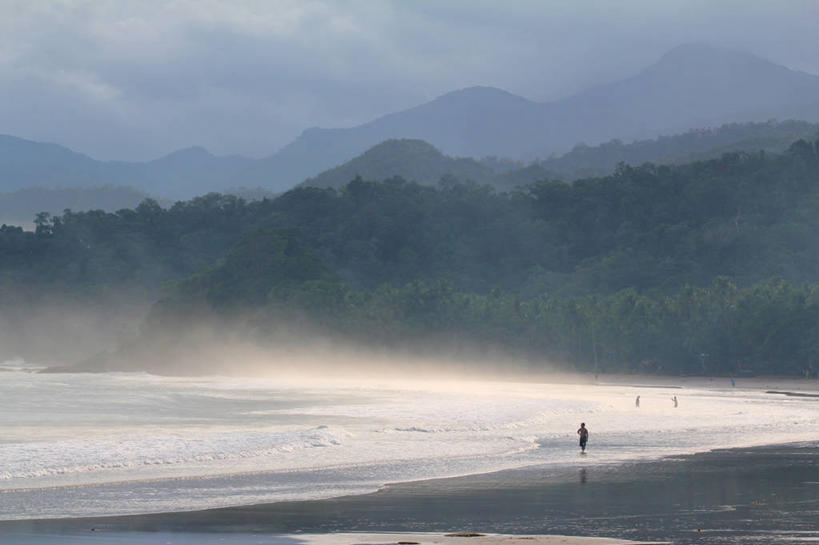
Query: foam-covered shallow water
{"x": 97, "y": 444}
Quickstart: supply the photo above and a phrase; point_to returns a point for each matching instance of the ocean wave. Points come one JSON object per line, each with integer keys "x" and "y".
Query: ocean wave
{"x": 68, "y": 457}
{"x": 422, "y": 430}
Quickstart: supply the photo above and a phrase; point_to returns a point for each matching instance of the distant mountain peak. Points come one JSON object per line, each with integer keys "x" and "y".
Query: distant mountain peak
{"x": 691, "y": 55}
{"x": 480, "y": 94}
{"x": 480, "y": 91}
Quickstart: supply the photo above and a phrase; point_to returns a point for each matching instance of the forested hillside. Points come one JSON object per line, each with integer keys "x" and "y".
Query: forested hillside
{"x": 414, "y": 160}
{"x": 703, "y": 267}
{"x": 601, "y": 160}
{"x": 419, "y": 161}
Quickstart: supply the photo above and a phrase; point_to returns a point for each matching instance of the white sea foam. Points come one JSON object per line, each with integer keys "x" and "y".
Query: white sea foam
{"x": 75, "y": 456}
{"x": 86, "y": 444}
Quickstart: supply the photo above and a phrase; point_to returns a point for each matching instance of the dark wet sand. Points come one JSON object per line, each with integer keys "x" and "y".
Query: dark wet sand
{"x": 756, "y": 495}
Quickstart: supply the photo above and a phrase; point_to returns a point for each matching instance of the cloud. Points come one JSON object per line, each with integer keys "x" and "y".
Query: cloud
{"x": 137, "y": 79}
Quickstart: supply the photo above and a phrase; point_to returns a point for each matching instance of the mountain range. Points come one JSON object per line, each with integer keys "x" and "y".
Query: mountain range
{"x": 690, "y": 87}
{"x": 419, "y": 161}
{"x": 181, "y": 174}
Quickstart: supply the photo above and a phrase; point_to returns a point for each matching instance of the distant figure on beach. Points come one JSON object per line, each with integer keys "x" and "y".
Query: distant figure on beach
{"x": 733, "y": 383}
{"x": 674, "y": 399}
{"x": 583, "y": 432}
{"x": 637, "y": 402}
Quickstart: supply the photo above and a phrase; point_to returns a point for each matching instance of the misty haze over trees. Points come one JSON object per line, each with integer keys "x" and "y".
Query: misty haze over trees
{"x": 702, "y": 267}
{"x": 569, "y": 231}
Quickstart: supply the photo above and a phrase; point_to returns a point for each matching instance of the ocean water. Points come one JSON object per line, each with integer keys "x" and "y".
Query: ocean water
{"x": 123, "y": 443}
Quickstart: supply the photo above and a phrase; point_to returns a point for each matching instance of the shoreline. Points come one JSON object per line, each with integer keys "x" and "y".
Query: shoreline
{"x": 485, "y": 503}
{"x": 807, "y": 392}
{"x": 428, "y": 538}
{"x": 556, "y": 471}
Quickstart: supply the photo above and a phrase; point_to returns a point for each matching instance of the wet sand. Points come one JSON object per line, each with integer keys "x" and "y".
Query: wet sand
{"x": 455, "y": 539}
{"x": 756, "y": 495}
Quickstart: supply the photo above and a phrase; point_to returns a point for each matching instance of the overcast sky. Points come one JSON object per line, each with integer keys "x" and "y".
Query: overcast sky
{"x": 135, "y": 79}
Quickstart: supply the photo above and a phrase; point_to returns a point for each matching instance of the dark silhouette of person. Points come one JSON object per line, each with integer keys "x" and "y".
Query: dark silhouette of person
{"x": 583, "y": 432}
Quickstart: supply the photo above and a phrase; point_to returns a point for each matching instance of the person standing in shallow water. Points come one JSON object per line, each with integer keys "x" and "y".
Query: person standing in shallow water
{"x": 637, "y": 402}
{"x": 583, "y": 432}
{"x": 674, "y": 400}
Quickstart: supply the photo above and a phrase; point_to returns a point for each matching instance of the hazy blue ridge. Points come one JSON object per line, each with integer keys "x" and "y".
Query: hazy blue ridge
{"x": 691, "y": 87}
{"x": 182, "y": 174}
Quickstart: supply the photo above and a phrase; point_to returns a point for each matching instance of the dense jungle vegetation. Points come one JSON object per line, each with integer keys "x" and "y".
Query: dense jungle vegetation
{"x": 706, "y": 267}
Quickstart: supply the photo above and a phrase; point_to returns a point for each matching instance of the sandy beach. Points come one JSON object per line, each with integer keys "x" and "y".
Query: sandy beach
{"x": 639, "y": 482}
